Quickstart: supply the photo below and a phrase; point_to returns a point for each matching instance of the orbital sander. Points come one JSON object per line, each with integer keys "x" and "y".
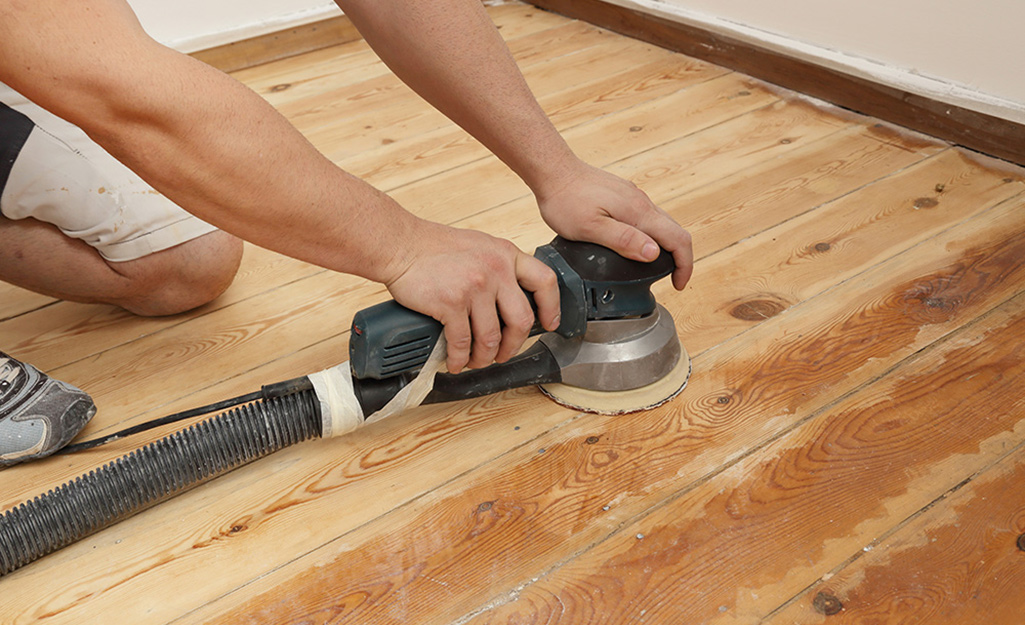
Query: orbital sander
{"x": 615, "y": 351}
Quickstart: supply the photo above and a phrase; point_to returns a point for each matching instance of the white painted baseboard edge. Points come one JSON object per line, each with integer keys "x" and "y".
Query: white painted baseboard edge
{"x": 904, "y": 79}
{"x": 279, "y": 23}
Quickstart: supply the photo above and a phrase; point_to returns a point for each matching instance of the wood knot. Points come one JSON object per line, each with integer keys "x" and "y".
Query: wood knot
{"x": 235, "y": 529}
{"x": 283, "y": 86}
{"x": 926, "y": 202}
{"x": 1021, "y": 542}
{"x": 759, "y": 308}
{"x": 722, "y": 399}
{"x": 591, "y": 440}
{"x": 636, "y": 128}
{"x": 934, "y": 302}
{"x": 825, "y": 603}
{"x": 823, "y": 247}
{"x": 484, "y": 507}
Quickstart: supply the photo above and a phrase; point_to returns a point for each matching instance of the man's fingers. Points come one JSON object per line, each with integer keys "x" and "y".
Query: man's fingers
{"x": 539, "y": 279}
{"x": 518, "y": 319}
{"x": 458, "y": 338}
{"x": 487, "y": 332}
{"x": 674, "y": 239}
{"x": 684, "y": 258}
{"x": 624, "y": 239}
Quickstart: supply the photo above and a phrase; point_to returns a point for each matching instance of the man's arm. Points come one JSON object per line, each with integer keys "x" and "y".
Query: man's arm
{"x": 450, "y": 52}
{"x": 218, "y": 150}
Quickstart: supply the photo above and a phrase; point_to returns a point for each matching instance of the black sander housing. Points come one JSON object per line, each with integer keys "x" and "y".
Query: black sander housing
{"x": 613, "y": 336}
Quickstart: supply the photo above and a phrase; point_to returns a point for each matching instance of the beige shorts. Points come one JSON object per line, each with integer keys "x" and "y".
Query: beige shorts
{"x": 62, "y": 177}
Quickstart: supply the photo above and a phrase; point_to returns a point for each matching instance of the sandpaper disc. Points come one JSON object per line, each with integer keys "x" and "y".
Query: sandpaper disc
{"x": 623, "y": 402}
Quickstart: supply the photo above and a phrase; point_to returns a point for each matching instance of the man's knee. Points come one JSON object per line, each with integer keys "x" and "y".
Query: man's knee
{"x": 183, "y": 277}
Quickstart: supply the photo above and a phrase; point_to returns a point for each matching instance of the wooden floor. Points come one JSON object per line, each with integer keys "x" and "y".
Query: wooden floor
{"x": 850, "y": 449}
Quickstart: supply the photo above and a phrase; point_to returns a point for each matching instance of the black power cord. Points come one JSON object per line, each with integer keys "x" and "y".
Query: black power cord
{"x": 268, "y": 391}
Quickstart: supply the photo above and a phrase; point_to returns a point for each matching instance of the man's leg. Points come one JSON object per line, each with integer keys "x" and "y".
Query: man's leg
{"x": 39, "y": 257}
{"x": 76, "y": 224}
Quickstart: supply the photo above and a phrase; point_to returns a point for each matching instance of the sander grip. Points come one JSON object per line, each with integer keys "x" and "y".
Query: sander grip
{"x": 389, "y": 339}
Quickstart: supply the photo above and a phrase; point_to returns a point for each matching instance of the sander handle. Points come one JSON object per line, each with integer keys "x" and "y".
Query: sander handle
{"x": 389, "y": 340}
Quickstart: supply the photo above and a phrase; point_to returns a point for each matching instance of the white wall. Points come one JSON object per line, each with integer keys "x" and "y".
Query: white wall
{"x": 190, "y": 25}
{"x": 968, "y": 53}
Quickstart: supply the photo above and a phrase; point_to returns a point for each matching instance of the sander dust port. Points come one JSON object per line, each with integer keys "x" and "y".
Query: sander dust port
{"x": 615, "y": 351}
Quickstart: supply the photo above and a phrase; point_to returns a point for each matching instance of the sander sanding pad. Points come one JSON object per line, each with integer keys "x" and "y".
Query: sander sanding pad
{"x": 623, "y": 402}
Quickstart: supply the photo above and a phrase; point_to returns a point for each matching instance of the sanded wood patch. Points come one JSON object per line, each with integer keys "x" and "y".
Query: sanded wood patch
{"x": 957, "y": 562}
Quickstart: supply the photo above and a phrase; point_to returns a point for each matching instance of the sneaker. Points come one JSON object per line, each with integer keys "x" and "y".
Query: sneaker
{"x": 38, "y": 415}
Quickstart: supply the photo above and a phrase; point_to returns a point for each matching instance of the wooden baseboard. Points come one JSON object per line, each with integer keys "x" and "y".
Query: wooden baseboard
{"x": 279, "y": 45}
{"x": 977, "y": 131}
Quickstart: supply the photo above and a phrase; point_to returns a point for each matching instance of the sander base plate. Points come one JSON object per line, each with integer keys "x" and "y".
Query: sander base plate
{"x": 623, "y": 402}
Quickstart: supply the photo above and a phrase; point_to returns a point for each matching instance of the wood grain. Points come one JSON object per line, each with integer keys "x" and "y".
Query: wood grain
{"x": 583, "y": 98}
{"x": 279, "y": 45}
{"x": 65, "y": 332}
{"x": 747, "y": 540}
{"x": 15, "y": 301}
{"x": 496, "y": 509}
{"x": 956, "y": 562}
{"x": 549, "y": 503}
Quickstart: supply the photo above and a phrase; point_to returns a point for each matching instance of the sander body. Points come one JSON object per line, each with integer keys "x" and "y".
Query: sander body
{"x": 615, "y": 343}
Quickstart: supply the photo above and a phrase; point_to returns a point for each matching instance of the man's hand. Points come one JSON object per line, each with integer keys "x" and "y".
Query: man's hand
{"x": 467, "y": 280}
{"x": 593, "y": 205}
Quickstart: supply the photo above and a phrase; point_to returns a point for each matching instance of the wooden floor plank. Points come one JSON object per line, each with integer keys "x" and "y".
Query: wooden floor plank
{"x": 15, "y": 301}
{"x": 402, "y": 162}
{"x": 765, "y": 274}
{"x": 514, "y": 21}
{"x": 601, "y": 142}
{"x": 737, "y": 546}
{"x": 349, "y": 119}
{"x": 775, "y": 190}
{"x": 555, "y": 497}
{"x": 958, "y": 562}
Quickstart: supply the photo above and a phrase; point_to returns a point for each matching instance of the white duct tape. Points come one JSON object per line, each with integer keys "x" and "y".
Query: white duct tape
{"x": 413, "y": 394}
{"x": 340, "y": 410}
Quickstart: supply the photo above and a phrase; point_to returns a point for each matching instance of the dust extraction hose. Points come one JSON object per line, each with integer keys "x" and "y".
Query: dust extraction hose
{"x": 323, "y": 404}
{"x": 154, "y": 473}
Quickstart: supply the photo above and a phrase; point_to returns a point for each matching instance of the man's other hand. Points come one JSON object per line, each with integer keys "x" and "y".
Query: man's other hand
{"x": 588, "y": 204}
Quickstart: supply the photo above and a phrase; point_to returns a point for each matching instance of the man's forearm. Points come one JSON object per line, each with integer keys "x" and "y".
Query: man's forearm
{"x": 234, "y": 161}
{"x": 201, "y": 138}
{"x": 450, "y": 52}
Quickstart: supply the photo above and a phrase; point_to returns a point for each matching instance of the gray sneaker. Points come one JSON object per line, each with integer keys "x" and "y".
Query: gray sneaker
{"x": 38, "y": 415}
